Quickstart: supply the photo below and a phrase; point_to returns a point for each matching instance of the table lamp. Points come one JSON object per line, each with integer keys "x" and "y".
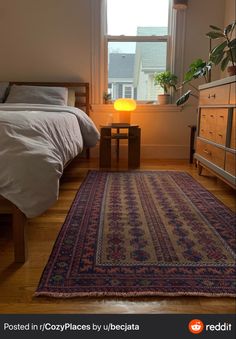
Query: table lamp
{"x": 124, "y": 107}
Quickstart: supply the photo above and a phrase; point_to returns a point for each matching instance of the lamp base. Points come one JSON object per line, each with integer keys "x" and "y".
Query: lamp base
{"x": 124, "y": 117}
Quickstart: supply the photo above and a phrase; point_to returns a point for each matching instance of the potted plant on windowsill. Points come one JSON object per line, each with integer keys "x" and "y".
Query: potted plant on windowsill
{"x": 224, "y": 54}
{"x": 166, "y": 80}
{"x": 107, "y": 98}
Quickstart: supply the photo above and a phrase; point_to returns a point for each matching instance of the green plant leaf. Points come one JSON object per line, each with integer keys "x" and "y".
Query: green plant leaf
{"x": 229, "y": 28}
{"x": 232, "y": 54}
{"x": 218, "y": 53}
{"x": 216, "y": 28}
{"x": 188, "y": 76}
{"x": 215, "y": 35}
{"x": 225, "y": 63}
{"x": 219, "y": 49}
{"x": 216, "y": 58}
{"x": 166, "y": 80}
{"x": 183, "y": 98}
{"x": 199, "y": 73}
{"x": 232, "y": 43}
{"x": 194, "y": 70}
{"x": 197, "y": 63}
{"x": 209, "y": 65}
{"x": 233, "y": 26}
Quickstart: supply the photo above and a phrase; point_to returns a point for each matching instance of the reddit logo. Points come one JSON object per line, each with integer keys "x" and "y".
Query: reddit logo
{"x": 195, "y": 326}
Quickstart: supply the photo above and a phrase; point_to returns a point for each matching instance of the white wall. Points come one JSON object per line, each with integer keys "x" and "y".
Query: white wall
{"x": 45, "y": 40}
{"x": 50, "y": 40}
{"x": 230, "y": 11}
{"x": 201, "y": 14}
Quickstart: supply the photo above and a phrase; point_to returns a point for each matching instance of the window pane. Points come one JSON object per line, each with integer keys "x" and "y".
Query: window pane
{"x": 128, "y": 91}
{"x": 131, "y": 67}
{"x": 125, "y": 16}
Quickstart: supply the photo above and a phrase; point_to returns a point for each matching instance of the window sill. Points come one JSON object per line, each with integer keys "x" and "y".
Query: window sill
{"x": 140, "y": 108}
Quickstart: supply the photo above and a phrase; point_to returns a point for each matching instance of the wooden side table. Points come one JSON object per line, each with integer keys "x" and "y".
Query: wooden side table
{"x": 133, "y": 136}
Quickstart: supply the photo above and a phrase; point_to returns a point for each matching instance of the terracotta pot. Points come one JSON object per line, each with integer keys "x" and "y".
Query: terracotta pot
{"x": 163, "y": 99}
{"x": 231, "y": 70}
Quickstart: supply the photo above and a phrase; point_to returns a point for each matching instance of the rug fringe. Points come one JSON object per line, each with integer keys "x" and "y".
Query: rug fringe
{"x": 131, "y": 294}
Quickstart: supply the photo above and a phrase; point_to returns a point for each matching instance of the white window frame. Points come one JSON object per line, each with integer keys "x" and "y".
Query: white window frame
{"x": 99, "y": 46}
{"x": 130, "y": 87}
{"x": 132, "y": 38}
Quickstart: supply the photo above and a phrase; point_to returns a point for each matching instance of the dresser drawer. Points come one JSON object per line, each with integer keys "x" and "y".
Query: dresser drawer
{"x": 233, "y": 93}
{"x": 203, "y": 124}
{"x": 215, "y": 95}
{"x": 210, "y": 152}
{"x": 207, "y": 128}
{"x": 230, "y": 160}
{"x": 213, "y": 124}
{"x": 221, "y": 125}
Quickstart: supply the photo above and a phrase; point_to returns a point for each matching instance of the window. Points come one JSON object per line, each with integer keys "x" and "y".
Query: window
{"x": 137, "y": 45}
{"x": 127, "y": 91}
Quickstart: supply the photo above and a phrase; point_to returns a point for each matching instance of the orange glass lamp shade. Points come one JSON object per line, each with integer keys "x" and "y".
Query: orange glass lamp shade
{"x": 124, "y": 106}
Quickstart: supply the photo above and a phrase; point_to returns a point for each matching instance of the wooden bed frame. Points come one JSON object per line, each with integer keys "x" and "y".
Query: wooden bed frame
{"x": 19, "y": 220}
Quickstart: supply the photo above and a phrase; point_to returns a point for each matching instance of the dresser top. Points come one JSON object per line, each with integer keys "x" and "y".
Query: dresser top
{"x": 220, "y": 82}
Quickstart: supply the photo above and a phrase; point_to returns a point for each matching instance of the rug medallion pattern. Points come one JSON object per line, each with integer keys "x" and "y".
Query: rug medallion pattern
{"x": 143, "y": 233}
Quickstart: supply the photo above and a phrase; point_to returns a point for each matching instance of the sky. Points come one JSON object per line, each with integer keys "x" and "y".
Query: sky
{"x": 125, "y": 15}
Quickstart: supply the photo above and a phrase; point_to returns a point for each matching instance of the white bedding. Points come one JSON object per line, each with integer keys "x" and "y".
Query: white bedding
{"x": 36, "y": 141}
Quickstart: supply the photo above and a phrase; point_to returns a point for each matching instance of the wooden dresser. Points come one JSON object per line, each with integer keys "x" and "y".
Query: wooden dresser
{"x": 216, "y": 138}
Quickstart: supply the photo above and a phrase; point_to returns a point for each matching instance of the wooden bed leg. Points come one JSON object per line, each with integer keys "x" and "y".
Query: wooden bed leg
{"x": 19, "y": 236}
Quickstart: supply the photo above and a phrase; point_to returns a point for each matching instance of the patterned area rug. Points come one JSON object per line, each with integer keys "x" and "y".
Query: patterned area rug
{"x": 143, "y": 233}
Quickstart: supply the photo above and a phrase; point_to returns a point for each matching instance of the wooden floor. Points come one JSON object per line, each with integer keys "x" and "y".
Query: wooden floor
{"x": 18, "y": 282}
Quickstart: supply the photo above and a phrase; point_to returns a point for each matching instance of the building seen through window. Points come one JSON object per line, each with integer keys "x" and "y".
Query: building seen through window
{"x": 134, "y": 59}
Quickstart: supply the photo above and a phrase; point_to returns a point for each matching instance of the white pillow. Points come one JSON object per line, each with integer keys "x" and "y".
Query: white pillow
{"x": 3, "y": 89}
{"x": 38, "y": 95}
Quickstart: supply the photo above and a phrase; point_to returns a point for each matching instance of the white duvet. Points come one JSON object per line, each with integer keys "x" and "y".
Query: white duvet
{"x": 36, "y": 141}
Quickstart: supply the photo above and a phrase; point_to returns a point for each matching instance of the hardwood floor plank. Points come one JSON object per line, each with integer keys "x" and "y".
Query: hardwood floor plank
{"x": 19, "y": 281}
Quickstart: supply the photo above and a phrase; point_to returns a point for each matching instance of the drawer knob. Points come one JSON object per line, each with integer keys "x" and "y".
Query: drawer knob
{"x": 207, "y": 152}
{"x": 211, "y": 96}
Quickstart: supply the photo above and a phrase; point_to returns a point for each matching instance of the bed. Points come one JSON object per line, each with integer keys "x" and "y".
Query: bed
{"x": 37, "y": 141}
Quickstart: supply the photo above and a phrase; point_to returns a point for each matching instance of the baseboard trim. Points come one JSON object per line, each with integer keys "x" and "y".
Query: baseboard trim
{"x": 151, "y": 151}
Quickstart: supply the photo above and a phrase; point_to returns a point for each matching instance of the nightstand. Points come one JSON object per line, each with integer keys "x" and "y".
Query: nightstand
{"x": 133, "y": 136}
